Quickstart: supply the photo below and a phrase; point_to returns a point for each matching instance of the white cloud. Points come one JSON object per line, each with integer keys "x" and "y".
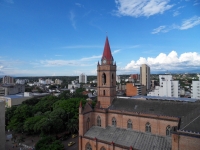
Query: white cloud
{"x": 9, "y": 1}
{"x": 173, "y": 62}
{"x": 116, "y": 51}
{"x": 91, "y": 58}
{"x": 190, "y": 23}
{"x": 79, "y": 5}
{"x": 81, "y": 46}
{"x": 176, "y": 13}
{"x": 73, "y": 22}
{"x": 186, "y": 24}
{"x": 138, "y": 8}
{"x": 157, "y": 30}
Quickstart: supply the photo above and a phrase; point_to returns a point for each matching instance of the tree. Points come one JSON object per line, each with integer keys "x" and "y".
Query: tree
{"x": 49, "y": 143}
{"x": 30, "y": 123}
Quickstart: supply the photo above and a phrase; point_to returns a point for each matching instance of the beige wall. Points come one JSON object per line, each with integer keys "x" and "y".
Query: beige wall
{"x": 158, "y": 126}
{"x": 2, "y": 125}
{"x": 9, "y": 102}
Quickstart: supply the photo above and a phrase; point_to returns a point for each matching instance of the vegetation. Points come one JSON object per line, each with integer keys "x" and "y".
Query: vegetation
{"x": 45, "y": 116}
{"x": 49, "y": 143}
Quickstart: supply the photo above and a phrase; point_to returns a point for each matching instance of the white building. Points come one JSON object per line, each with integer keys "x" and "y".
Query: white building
{"x": 21, "y": 81}
{"x": 49, "y": 81}
{"x": 195, "y": 89}
{"x": 145, "y": 75}
{"x": 118, "y": 79}
{"x": 82, "y": 78}
{"x": 41, "y": 81}
{"x": 73, "y": 85}
{"x": 168, "y": 87}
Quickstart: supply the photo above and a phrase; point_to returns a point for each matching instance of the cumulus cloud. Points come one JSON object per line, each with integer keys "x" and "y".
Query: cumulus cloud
{"x": 173, "y": 62}
{"x": 186, "y": 24}
{"x": 138, "y": 8}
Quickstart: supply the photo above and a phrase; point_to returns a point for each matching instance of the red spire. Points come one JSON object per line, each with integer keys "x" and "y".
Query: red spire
{"x": 107, "y": 52}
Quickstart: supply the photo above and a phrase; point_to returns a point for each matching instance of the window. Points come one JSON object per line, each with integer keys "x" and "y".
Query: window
{"x": 98, "y": 121}
{"x": 129, "y": 124}
{"x": 114, "y": 123}
{"x": 88, "y": 147}
{"x": 168, "y": 130}
{"x": 88, "y": 124}
{"x": 148, "y": 127}
{"x": 104, "y": 92}
{"x": 103, "y": 78}
{"x": 112, "y": 79}
{"x": 102, "y": 148}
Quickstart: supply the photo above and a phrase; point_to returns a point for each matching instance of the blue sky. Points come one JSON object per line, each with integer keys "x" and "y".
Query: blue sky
{"x": 66, "y": 37}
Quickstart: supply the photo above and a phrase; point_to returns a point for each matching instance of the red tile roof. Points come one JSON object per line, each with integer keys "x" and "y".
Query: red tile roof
{"x": 107, "y": 52}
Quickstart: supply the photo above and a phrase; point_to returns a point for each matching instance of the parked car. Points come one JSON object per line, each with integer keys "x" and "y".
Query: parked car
{"x": 74, "y": 135}
{"x": 71, "y": 143}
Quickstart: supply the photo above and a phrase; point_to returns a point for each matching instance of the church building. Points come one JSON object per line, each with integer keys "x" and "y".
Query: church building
{"x": 131, "y": 124}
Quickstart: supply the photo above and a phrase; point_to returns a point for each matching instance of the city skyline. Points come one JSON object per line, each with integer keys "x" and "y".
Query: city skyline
{"x": 49, "y": 38}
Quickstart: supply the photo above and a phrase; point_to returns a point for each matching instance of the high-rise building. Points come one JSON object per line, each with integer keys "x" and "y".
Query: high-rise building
{"x": 195, "y": 89}
{"x": 145, "y": 75}
{"x": 168, "y": 87}
{"x": 8, "y": 80}
{"x": 82, "y": 78}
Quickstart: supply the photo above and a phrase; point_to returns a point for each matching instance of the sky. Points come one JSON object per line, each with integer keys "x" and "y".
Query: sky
{"x": 67, "y": 37}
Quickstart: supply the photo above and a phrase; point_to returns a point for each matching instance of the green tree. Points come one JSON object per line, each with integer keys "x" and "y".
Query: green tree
{"x": 49, "y": 143}
{"x": 30, "y": 123}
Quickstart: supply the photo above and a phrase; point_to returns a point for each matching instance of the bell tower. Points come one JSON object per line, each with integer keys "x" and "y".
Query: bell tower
{"x": 106, "y": 77}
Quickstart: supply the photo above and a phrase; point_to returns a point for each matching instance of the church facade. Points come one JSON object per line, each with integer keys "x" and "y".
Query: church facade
{"x": 123, "y": 124}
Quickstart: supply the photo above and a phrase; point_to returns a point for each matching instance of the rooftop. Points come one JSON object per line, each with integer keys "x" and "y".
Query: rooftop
{"x": 181, "y": 99}
{"x": 107, "y": 52}
{"x": 128, "y": 137}
{"x": 188, "y": 112}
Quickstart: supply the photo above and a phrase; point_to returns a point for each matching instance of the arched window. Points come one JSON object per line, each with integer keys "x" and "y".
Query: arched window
{"x": 103, "y": 78}
{"x": 102, "y": 148}
{"x": 88, "y": 124}
{"x": 112, "y": 78}
{"x": 129, "y": 124}
{"x": 148, "y": 127}
{"x": 114, "y": 123}
{"x": 168, "y": 130}
{"x": 88, "y": 147}
{"x": 98, "y": 121}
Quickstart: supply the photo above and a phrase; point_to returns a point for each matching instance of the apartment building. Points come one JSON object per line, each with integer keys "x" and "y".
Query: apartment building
{"x": 8, "y": 80}
{"x": 167, "y": 87}
{"x": 82, "y": 78}
{"x": 145, "y": 76}
{"x": 133, "y": 89}
{"x": 58, "y": 81}
{"x": 195, "y": 89}
{"x": 10, "y": 89}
